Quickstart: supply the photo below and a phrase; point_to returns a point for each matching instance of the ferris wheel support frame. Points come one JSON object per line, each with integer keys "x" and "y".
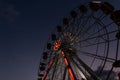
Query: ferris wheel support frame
{"x": 49, "y": 67}
{"x": 71, "y": 73}
{"x": 88, "y": 69}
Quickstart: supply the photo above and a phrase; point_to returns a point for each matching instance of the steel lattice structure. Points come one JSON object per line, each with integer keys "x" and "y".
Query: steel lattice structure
{"x": 84, "y": 41}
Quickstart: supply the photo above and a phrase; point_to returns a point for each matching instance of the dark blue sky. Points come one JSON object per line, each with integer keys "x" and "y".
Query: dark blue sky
{"x": 25, "y": 26}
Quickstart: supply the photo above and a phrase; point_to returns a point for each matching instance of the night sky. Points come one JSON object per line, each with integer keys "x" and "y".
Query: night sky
{"x": 25, "y": 26}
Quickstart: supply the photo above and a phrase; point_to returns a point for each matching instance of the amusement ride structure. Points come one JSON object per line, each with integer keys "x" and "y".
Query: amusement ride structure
{"x": 86, "y": 40}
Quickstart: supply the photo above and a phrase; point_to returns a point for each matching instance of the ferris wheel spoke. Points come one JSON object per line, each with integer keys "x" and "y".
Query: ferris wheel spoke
{"x": 98, "y": 36}
{"x": 90, "y": 26}
{"x": 90, "y": 35}
{"x": 88, "y": 69}
{"x": 87, "y": 20}
{"x": 82, "y": 21}
{"x": 60, "y": 69}
{"x": 96, "y": 26}
{"x": 78, "y": 27}
{"x": 67, "y": 62}
{"x": 73, "y": 27}
{"x": 81, "y": 32}
{"x": 54, "y": 69}
{"x": 102, "y": 24}
{"x": 106, "y": 56}
{"x": 74, "y": 68}
{"x": 79, "y": 69}
{"x": 96, "y": 53}
{"x": 64, "y": 74}
{"x": 78, "y": 21}
{"x": 94, "y": 44}
{"x": 102, "y": 17}
{"x": 84, "y": 32}
{"x": 117, "y": 49}
{"x": 83, "y": 36}
{"x": 47, "y": 71}
{"x": 97, "y": 56}
{"x": 108, "y": 76}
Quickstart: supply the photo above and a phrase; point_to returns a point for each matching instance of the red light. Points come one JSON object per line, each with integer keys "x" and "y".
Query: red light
{"x": 45, "y": 74}
{"x": 57, "y": 44}
{"x": 50, "y": 63}
{"x": 66, "y": 62}
{"x": 71, "y": 74}
{"x": 49, "y": 66}
{"x": 63, "y": 54}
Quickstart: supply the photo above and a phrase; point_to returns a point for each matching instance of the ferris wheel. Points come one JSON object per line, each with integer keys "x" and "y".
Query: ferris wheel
{"x": 84, "y": 45}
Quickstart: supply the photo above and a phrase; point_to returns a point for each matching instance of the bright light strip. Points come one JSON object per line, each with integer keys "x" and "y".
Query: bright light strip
{"x": 82, "y": 75}
{"x": 96, "y": 1}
